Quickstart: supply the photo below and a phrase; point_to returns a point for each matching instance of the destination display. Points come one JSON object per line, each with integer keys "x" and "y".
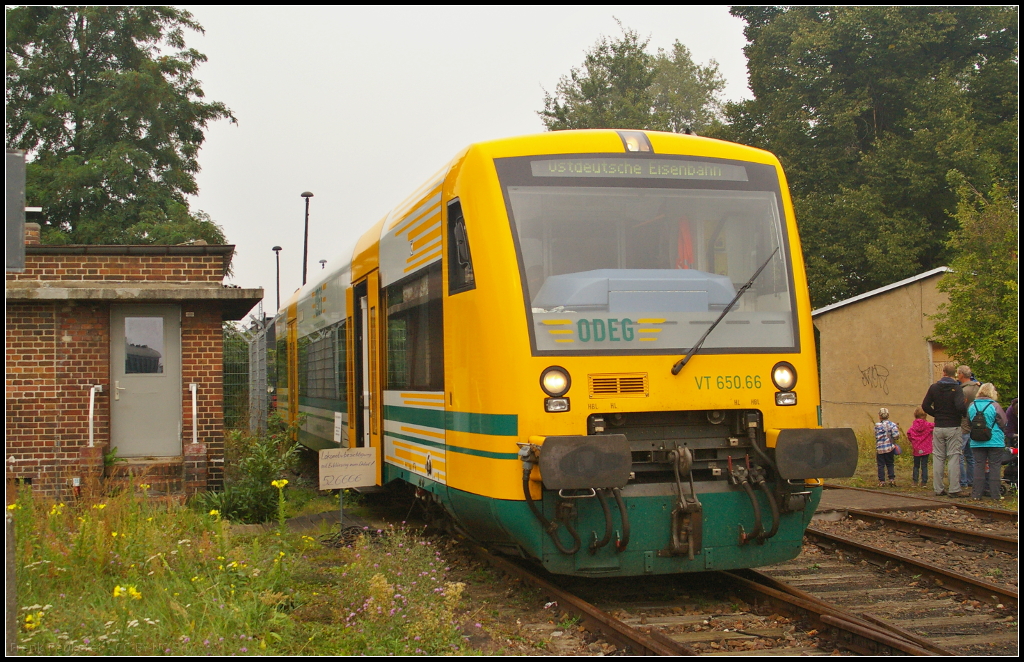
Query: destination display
{"x": 638, "y": 169}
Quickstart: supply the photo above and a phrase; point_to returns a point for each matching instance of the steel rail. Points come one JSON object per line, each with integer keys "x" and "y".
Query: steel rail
{"x": 982, "y": 511}
{"x": 853, "y": 632}
{"x": 930, "y": 530}
{"x": 771, "y": 582}
{"x": 639, "y": 643}
{"x": 850, "y": 630}
{"x": 976, "y": 588}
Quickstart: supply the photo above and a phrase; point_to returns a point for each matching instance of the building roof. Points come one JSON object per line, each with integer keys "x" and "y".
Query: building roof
{"x": 235, "y": 302}
{"x": 867, "y": 295}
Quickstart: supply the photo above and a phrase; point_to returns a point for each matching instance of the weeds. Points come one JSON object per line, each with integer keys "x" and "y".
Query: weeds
{"x": 253, "y": 462}
{"x": 129, "y": 576}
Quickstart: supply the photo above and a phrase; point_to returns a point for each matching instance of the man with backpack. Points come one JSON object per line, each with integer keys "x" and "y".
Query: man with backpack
{"x": 970, "y": 386}
{"x": 945, "y": 402}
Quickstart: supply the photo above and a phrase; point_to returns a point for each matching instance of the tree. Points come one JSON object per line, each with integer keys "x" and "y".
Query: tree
{"x": 104, "y": 101}
{"x": 686, "y": 94}
{"x": 979, "y": 325}
{"x": 620, "y": 85}
{"x": 869, "y": 109}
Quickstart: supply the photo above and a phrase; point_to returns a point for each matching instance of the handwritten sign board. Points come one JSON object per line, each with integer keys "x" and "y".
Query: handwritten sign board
{"x": 342, "y": 468}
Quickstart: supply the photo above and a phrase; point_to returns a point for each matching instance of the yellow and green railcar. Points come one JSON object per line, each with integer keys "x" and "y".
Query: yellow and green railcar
{"x": 593, "y": 348}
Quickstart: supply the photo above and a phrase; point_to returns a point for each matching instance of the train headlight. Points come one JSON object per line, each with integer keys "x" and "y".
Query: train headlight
{"x": 555, "y": 381}
{"x": 784, "y": 376}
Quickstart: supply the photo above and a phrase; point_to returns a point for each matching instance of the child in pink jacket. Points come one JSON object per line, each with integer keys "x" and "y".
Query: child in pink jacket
{"x": 920, "y": 436}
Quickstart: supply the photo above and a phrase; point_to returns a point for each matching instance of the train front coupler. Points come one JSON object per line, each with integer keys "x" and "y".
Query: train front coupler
{"x": 687, "y": 525}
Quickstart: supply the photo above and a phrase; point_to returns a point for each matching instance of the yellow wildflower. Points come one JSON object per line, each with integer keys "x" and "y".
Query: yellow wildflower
{"x": 134, "y": 594}
{"x": 215, "y": 513}
{"x": 13, "y": 506}
{"x": 99, "y": 506}
{"x": 32, "y": 621}
{"x": 279, "y": 484}
{"x": 144, "y": 486}
{"x": 119, "y": 592}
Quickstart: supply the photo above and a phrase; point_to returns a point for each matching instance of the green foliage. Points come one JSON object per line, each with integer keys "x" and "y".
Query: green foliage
{"x": 105, "y": 102}
{"x": 979, "y": 325}
{"x": 622, "y": 86}
{"x": 869, "y": 108}
{"x": 252, "y": 463}
{"x": 392, "y": 598}
{"x": 111, "y": 458}
{"x": 128, "y": 576}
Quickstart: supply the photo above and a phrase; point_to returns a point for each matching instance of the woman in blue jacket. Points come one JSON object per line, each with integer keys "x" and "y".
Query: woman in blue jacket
{"x": 988, "y": 455}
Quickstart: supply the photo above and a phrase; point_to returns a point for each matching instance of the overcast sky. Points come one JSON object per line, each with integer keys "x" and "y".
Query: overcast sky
{"x": 360, "y": 105}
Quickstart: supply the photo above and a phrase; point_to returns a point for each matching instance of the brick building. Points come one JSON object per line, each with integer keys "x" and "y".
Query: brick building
{"x": 133, "y": 330}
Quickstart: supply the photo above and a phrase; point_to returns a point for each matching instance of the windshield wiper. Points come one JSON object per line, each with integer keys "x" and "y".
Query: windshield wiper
{"x": 686, "y": 359}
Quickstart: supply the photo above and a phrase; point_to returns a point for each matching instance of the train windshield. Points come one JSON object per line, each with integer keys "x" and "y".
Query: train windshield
{"x": 620, "y": 255}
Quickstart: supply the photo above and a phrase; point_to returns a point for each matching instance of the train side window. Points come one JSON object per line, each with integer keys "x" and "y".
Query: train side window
{"x": 281, "y": 370}
{"x": 322, "y": 364}
{"x": 460, "y": 261}
{"x": 302, "y": 366}
{"x": 341, "y": 365}
{"x": 415, "y": 343}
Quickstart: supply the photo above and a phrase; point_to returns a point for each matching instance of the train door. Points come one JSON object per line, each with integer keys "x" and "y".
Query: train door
{"x": 365, "y": 424}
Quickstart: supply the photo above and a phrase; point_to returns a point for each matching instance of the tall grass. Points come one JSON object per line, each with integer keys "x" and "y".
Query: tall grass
{"x": 130, "y": 576}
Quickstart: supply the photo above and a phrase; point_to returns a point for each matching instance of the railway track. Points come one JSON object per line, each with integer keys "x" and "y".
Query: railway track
{"x": 931, "y": 531}
{"x": 726, "y": 613}
{"x": 837, "y": 597}
{"x": 872, "y": 585}
{"x": 930, "y": 597}
{"x": 999, "y": 514}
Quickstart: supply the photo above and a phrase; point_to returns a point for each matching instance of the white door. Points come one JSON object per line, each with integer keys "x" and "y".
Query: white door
{"x": 145, "y": 375}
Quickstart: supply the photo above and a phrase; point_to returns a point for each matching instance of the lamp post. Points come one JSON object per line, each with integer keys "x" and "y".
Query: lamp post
{"x": 277, "y": 256}
{"x": 305, "y": 241}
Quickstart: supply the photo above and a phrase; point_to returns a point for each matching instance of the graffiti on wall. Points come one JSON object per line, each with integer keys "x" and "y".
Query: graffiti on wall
{"x": 875, "y": 376}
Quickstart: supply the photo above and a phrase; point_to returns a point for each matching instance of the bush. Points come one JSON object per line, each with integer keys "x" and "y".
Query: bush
{"x": 252, "y": 463}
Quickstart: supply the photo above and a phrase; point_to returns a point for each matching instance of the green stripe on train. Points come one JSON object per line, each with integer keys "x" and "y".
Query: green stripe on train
{"x": 455, "y": 449}
{"x": 500, "y": 425}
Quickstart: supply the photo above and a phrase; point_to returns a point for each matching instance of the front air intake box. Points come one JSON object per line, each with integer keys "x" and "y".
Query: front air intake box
{"x": 581, "y": 462}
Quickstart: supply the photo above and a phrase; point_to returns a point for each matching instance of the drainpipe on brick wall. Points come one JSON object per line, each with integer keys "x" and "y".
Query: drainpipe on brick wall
{"x": 195, "y": 424}
{"x": 93, "y": 390}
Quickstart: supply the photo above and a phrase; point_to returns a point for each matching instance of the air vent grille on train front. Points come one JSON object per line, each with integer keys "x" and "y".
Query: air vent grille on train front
{"x": 618, "y": 385}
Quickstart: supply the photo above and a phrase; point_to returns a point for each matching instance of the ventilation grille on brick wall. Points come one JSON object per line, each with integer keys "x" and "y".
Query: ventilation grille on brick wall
{"x": 620, "y": 385}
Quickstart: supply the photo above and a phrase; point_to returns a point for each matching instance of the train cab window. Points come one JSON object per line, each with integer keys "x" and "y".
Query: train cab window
{"x": 460, "y": 261}
{"x": 630, "y": 254}
{"x": 415, "y": 345}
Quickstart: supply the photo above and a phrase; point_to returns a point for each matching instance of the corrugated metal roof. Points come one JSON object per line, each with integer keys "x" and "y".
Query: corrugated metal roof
{"x": 867, "y": 295}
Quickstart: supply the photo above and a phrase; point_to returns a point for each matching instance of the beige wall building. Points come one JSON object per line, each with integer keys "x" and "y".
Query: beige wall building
{"x": 877, "y": 351}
